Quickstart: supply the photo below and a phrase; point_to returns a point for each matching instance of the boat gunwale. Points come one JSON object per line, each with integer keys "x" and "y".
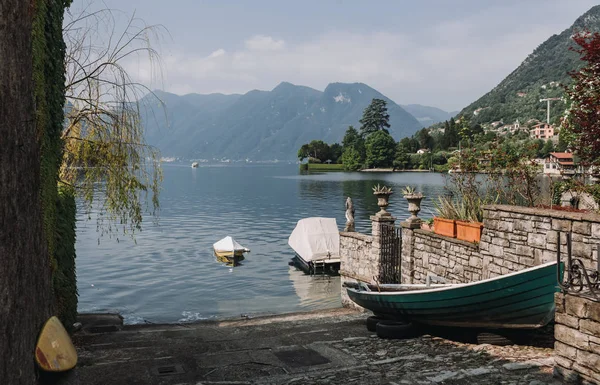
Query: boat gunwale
{"x": 451, "y": 286}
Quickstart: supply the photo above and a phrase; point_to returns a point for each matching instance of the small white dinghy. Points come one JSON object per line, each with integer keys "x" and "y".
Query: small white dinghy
{"x": 228, "y": 247}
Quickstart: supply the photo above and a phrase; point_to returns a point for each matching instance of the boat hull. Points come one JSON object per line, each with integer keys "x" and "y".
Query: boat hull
{"x": 318, "y": 268}
{"x": 523, "y": 300}
{"x": 229, "y": 254}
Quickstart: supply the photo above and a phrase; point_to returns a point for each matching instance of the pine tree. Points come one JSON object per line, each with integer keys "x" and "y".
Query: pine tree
{"x": 375, "y": 118}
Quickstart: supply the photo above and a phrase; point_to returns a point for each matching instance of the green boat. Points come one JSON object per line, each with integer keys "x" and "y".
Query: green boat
{"x": 520, "y": 300}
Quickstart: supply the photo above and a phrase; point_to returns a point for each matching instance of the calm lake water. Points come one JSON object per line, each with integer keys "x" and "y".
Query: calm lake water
{"x": 170, "y": 273}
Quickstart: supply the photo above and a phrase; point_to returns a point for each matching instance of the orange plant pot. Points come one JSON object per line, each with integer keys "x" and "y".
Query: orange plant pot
{"x": 469, "y": 231}
{"x": 444, "y": 226}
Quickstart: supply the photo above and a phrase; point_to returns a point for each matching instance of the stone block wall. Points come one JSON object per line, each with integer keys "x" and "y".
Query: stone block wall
{"x": 356, "y": 261}
{"x": 513, "y": 238}
{"x": 577, "y": 334}
{"x": 458, "y": 261}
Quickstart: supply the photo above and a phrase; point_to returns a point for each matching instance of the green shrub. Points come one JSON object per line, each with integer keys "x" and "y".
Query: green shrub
{"x": 64, "y": 279}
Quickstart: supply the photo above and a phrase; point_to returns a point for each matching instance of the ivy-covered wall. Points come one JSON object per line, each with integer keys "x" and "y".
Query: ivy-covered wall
{"x": 49, "y": 80}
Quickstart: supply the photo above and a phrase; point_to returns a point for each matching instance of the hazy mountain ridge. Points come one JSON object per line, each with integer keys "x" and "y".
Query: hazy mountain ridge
{"x": 261, "y": 125}
{"x": 539, "y": 76}
{"x": 427, "y": 115}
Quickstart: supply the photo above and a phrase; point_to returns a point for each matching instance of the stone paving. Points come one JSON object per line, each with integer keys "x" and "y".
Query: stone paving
{"x": 325, "y": 347}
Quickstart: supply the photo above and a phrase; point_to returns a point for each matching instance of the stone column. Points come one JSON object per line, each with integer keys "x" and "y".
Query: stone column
{"x": 408, "y": 243}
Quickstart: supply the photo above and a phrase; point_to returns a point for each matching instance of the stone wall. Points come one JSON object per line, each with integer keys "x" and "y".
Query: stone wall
{"x": 513, "y": 238}
{"x": 577, "y": 334}
{"x": 356, "y": 261}
{"x": 456, "y": 261}
{"x": 519, "y": 237}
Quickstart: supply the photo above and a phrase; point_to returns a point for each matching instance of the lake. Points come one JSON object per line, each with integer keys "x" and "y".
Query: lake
{"x": 169, "y": 273}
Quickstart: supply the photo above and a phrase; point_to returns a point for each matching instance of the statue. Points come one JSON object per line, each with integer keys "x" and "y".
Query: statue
{"x": 349, "y": 216}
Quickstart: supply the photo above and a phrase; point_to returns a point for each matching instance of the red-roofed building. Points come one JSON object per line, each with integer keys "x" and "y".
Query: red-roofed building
{"x": 560, "y": 163}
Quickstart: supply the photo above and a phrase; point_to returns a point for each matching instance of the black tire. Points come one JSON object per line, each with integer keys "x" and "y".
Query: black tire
{"x": 372, "y": 322}
{"x": 395, "y": 330}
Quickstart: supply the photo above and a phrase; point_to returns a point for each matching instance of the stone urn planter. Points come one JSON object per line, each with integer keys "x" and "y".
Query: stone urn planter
{"x": 445, "y": 227}
{"x": 414, "y": 206}
{"x": 383, "y": 198}
{"x": 469, "y": 231}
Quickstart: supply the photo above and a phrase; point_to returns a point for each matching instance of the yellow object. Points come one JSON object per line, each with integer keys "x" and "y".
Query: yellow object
{"x": 54, "y": 351}
{"x": 229, "y": 254}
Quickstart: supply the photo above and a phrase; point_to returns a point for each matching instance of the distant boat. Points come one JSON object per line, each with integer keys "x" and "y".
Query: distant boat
{"x": 316, "y": 242}
{"x": 195, "y": 164}
{"x": 520, "y": 300}
{"x": 229, "y": 248}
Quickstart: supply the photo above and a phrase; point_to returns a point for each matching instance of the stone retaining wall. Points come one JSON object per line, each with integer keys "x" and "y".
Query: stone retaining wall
{"x": 577, "y": 334}
{"x": 513, "y": 238}
{"x": 356, "y": 261}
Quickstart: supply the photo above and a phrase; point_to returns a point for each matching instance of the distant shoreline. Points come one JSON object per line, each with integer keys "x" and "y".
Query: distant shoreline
{"x": 393, "y": 170}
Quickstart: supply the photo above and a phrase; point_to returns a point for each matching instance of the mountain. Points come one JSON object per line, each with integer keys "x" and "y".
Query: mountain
{"x": 428, "y": 115}
{"x": 261, "y": 125}
{"x": 539, "y": 76}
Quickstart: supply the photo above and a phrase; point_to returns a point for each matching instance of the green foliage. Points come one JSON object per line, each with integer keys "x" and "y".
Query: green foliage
{"x": 352, "y": 159}
{"x": 48, "y": 75}
{"x": 580, "y": 125}
{"x": 518, "y": 96}
{"x": 64, "y": 279}
{"x": 351, "y": 138}
{"x": 380, "y": 149}
{"x": 375, "y": 118}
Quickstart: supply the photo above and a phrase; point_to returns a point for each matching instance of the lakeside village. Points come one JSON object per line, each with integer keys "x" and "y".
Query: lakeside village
{"x": 504, "y": 288}
{"x": 439, "y": 148}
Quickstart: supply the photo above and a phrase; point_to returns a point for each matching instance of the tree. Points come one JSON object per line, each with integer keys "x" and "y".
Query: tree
{"x": 319, "y": 150}
{"x": 380, "y": 149}
{"x": 424, "y": 138}
{"x": 335, "y": 152}
{"x": 106, "y": 160}
{"x": 25, "y": 271}
{"x": 547, "y": 149}
{"x": 351, "y": 138}
{"x": 351, "y": 159}
{"x": 580, "y": 125}
{"x": 401, "y": 157}
{"x": 375, "y": 118}
{"x": 303, "y": 152}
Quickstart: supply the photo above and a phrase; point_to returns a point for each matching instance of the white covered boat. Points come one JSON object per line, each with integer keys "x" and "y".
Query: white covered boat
{"x": 195, "y": 165}
{"x": 229, "y": 247}
{"x": 316, "y": 242}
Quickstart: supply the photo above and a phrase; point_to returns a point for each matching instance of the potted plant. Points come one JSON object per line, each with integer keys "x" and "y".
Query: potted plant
{"x": 414, "y": 203}
{"x": 445, "y": 222}
{"x": 469, "y": 220}
{"x": 383, "y": 196}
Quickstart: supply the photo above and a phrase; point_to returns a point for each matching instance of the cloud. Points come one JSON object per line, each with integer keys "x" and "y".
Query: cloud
{"x": 264, "y": 43}
{"x": 447, "y": 65}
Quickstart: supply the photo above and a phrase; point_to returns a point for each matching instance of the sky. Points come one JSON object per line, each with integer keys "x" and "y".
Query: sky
{"x": 442, "y": 53}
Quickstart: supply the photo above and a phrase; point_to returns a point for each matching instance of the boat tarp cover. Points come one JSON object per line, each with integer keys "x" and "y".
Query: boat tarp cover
{"x": 228, "y": 244}
{"x": 316, "y": 238}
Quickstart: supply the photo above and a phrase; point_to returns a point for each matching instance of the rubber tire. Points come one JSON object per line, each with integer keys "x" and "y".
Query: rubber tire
{"x": 395, "y": 330}
{"x": 372, "y": 322}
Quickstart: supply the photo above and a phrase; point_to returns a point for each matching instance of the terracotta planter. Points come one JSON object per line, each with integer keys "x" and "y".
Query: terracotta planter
{"x": 444, "y": 226}
{"x": 469, "y": 231}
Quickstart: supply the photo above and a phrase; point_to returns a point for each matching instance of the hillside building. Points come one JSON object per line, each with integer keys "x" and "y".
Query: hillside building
{"x": 543, "y": 131}
{"x": 560, "y": 163}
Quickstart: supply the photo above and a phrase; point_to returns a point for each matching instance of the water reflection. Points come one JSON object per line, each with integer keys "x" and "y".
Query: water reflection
{"x": 171, "y": 274}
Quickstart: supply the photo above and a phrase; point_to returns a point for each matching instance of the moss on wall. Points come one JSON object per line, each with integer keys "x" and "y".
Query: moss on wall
{"x": 49, "y": 78}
